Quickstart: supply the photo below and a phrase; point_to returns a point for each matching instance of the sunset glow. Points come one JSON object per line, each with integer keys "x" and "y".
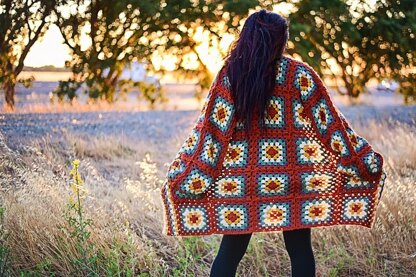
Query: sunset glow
{"x": 51, "y": 50}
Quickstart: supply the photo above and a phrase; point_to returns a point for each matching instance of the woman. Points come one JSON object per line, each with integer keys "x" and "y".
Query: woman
{"x": 269, "y": 152}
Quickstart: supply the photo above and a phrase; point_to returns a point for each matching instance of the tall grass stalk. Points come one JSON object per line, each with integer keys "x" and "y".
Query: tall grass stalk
{"x": 4, "y": 249}
{"x": 77, "y": 225}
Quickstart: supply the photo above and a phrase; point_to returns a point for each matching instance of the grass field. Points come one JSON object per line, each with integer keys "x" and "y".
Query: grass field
{"x": 116, "y": 227}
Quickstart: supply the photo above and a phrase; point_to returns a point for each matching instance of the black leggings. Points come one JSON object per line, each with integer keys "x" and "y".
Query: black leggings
{"x": 233, "y": 247}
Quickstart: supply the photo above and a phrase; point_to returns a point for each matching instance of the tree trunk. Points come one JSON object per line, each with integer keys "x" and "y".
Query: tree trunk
{"x": 9, "y": 90}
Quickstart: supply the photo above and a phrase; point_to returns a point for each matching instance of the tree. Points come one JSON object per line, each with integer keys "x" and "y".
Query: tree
{"x": 22, "y": 23}
{"x": 103, "y": 36}
{"x": 182, "y": 21}
{"x": 122, "y": 31}
{"x": 365, "y": 41}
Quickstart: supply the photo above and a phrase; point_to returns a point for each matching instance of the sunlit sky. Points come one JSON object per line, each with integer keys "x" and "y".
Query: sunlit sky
{"x": 48, "y": 51}
{"x": 51, "y": 50}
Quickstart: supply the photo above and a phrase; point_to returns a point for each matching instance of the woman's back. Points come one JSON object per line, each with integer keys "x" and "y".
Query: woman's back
{"x": 304, "y": 167}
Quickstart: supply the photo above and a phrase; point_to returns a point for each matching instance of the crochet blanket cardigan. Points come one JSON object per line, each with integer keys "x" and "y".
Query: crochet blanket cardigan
{"x": 307, "y": 168}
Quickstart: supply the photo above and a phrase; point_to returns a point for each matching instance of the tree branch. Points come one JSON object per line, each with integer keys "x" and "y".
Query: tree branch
{"x": 29, "y": 45}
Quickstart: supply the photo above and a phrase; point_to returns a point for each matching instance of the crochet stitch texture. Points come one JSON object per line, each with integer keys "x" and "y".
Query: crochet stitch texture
{"x": 307, "y": 168}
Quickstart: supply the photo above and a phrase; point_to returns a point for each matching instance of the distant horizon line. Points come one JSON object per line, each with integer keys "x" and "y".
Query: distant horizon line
{"x": 46, "y": 68}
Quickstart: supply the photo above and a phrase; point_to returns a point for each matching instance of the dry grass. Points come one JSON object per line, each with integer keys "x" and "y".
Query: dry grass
{"x": 123, "y": 179}
{"x": 77, "y": 106}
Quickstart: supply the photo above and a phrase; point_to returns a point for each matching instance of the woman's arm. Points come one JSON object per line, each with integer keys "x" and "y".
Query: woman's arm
{"x": 356, "y": 156}
{"x": 199, "y": 160}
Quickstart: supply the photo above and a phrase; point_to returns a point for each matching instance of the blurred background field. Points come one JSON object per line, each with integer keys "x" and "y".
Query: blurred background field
{"x": 68, "y": 99}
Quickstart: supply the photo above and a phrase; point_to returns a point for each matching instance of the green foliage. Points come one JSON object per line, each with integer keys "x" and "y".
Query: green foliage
{"x": 365, "y": 41}
{"x": 44, "y": 268}
{"x": 67, "y": 89}
{"x": 116, "y": 32}
{"x": 152, "y": 93}
{"x": 4, "y": 249}
{"x": 23, "y": 22}
{"x": 407, "y": 87}
{"x": 255, "y": 249}
{"x": 28, "y": 82}
{"x": 189, "y": 254}
{"x": 342, "y": 260}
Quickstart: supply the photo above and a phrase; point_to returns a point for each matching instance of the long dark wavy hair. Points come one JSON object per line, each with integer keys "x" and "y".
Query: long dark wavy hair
{"x": 251, "y": 63}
